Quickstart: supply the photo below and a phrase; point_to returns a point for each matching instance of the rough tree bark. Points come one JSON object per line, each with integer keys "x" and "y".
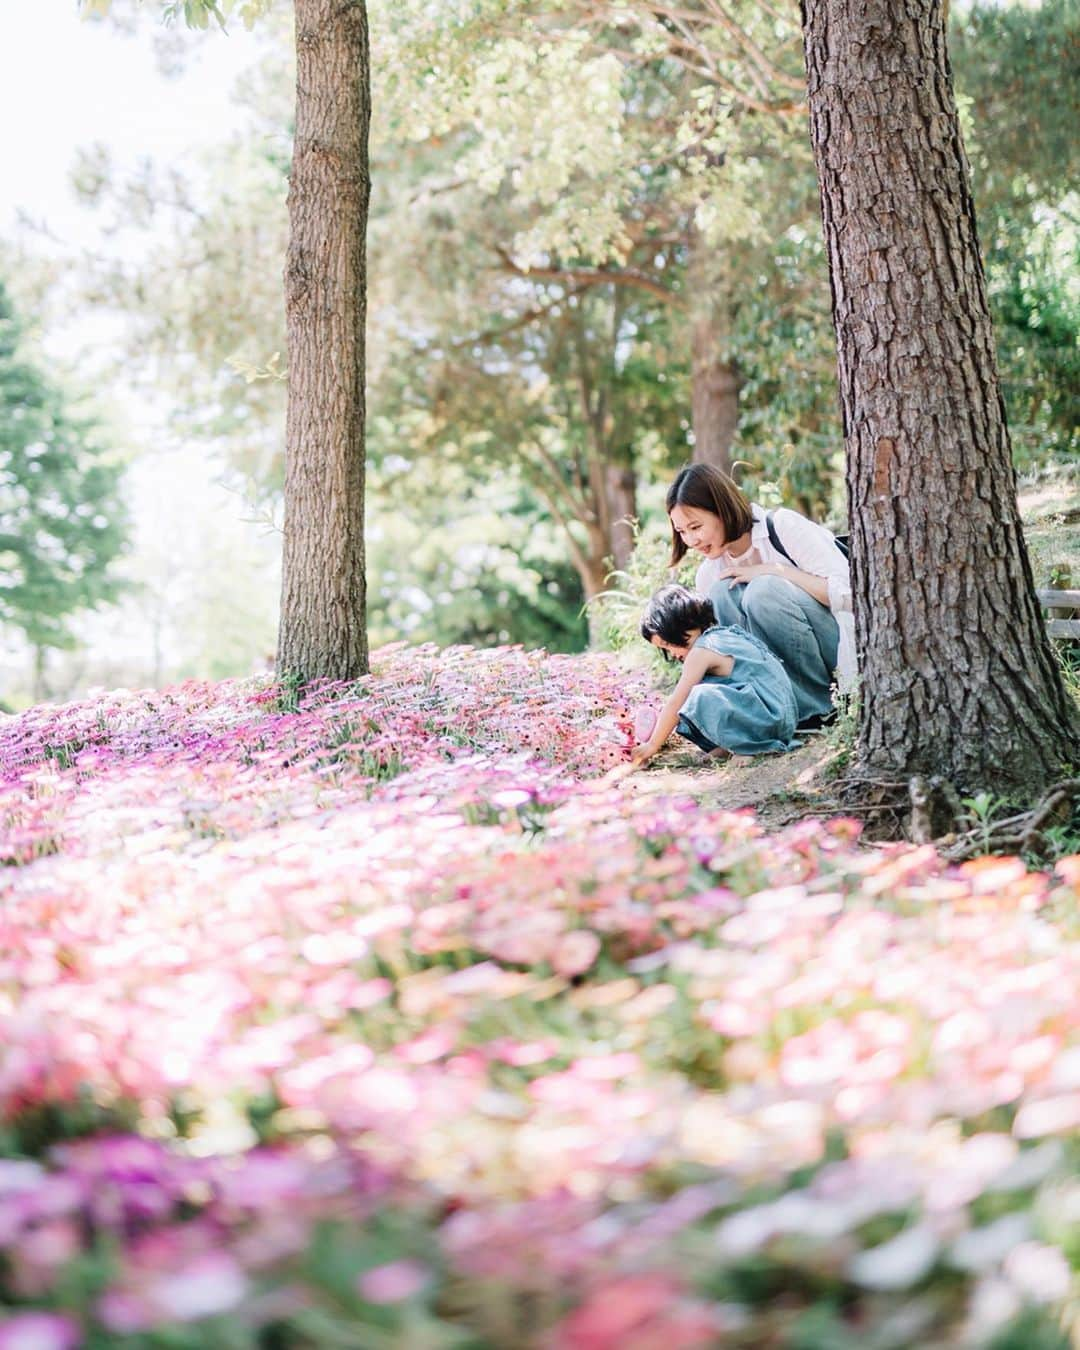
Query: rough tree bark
{"x": 323, "y": 631}
{"x": 958, "y": 678}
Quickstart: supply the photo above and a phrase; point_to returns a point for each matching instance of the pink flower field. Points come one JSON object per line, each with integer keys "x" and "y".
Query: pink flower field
{"x": 379, "y": 1018}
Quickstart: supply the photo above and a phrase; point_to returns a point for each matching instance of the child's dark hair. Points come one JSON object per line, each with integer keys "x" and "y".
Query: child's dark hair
{"x": 674, "y": 613}
{"x": 706, "y": 488}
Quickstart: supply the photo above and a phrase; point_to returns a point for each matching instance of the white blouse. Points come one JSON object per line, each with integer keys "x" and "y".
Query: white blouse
{"x": 813, "y": 549}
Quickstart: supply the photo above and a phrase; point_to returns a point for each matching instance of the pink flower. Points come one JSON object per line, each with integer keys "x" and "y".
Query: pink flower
{"x": 642, "y": 1312}
{"x": 206, "y": 1286}
{"x": 575, "y": 952}
{"x": 39, "y": 1331}
{"x": 1040, "y": 1272}
{"x": 393, "y": 1282}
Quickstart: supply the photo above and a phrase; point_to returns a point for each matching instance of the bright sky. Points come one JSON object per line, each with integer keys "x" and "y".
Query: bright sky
{"x": 66, "y": 83}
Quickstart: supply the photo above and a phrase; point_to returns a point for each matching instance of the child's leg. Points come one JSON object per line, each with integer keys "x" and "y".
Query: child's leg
{"x": 734, "y": 716}
{"x": 693, "y": 733}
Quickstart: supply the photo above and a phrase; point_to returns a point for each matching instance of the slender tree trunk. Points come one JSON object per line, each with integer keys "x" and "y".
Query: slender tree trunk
{"x": 594, "y": 568}
{"x": 714, "y": 382}
{"x": 39, "y": 686}
{"x": 958, "y": 677}
{"x": 714, "y": 394}
{"x": 621, "y": 486}
{"x": 608, "y": 542}
{"x": 322, "y": 632}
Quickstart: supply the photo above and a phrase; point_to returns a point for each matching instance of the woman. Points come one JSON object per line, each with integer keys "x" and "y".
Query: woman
{"x": 789, "y": 585}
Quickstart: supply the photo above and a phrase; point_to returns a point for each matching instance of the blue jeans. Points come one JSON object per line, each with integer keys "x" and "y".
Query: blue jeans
{"x": 794, "y": 626}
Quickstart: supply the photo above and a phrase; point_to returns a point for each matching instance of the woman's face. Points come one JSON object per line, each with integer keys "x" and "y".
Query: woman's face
{"x": 700, "y": 530}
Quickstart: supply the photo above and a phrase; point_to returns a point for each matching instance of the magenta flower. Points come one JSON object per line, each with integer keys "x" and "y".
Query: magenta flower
{"x": 39, "y": 1331}
{"x": 284, "y": 978}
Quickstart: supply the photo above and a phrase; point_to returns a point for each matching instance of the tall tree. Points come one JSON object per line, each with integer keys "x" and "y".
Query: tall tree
{"x": 323, "y": 631}
{"x": 62, "y": 519}
{"x": 957, "y": 672}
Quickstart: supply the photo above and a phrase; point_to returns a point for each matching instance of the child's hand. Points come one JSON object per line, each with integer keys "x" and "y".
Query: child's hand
{"x": 644, "y": 752}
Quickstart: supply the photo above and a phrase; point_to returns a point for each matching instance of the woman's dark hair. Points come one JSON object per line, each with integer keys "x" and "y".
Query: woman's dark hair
{"x": 673, "y": 613}
{"x": 707, "y": 489}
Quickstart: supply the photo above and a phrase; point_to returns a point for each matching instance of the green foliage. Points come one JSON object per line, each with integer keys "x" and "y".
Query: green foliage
{"x": 783, "y": 343}
{"x": 457, "y": 561}
{"x": 620, "y": 606}
{"x": 62, "y": 523}
{"x": 1037, "y": 316}
{"x": 1019, "y": 63}
{"x": 702, "y": 209}
{"x": 982, "y": 809}
{"x": 1034, "y": 1329}
{"x": 843, "y": 734}
{"x": 1016, "y": 69}
{"x": 195, "y": 13}
{"x": 560, "y": 197}
{"x": 822, "y": 1328}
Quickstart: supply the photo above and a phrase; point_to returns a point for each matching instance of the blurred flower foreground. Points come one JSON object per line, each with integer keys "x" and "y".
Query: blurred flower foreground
{"x": 374, "y": 1019}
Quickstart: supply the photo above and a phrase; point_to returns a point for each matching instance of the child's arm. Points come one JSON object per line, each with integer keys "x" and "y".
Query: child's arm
{"x": 699, "y": 663}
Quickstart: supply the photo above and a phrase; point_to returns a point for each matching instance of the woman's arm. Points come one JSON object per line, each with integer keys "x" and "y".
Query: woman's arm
{"x": 818, "y": 587}
{"x": 818, "y": 567}
{"x": 699, "y": 663}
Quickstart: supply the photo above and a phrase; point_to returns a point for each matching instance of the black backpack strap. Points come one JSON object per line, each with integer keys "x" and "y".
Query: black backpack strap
{"x": 840, "y": 540}
{"x": 774, "y": 539}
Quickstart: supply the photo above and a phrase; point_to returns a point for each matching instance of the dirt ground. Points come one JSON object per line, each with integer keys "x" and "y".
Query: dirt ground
{"x": 780, "y": 788}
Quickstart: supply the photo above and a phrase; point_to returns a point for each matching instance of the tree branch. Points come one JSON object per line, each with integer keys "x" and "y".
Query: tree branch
{"x": 591, "y": 276}
{"x": 522, "y": 321}
{"x": 767, "y": 68}
{"x": 577, "y": 554}
{"x": 578, "y": 504}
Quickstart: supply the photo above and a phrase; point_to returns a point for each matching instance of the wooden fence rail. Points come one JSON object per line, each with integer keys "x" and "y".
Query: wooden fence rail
{"x": 1060, "y": 607}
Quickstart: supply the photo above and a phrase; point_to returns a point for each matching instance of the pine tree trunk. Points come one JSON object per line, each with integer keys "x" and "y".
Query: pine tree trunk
{"x": 958, "y": 677}
{"x": 322, "y": 632}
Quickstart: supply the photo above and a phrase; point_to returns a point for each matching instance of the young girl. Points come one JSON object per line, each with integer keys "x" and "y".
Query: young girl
{"x": 777, "y": 574}
{"x": 733, "y": 694}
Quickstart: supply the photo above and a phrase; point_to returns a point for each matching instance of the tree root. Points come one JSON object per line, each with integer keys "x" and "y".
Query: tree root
{"x": 1020, "y": 833}
{"x": 881, "y": 804}
{"x": 930, "y": 811}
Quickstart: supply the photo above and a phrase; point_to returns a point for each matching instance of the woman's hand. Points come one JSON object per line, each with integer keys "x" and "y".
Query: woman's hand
{"x": 741, "y": 575}
{"x": 817, "y": 587}
{"x": 644, "y": 752}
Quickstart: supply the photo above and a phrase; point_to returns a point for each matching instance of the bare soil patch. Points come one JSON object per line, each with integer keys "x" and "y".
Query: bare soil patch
{"x": 780, "y": 788}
